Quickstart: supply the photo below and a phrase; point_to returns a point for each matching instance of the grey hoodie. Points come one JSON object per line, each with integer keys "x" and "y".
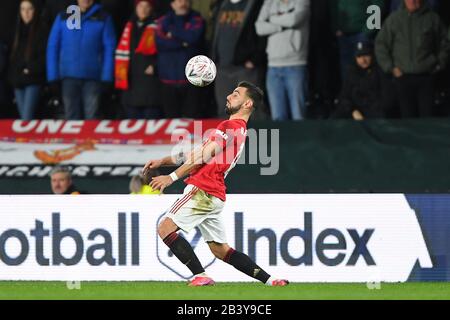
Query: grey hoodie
{"x": 287, "y": 25}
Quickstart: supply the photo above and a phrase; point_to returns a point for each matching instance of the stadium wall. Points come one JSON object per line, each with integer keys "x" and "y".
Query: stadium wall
{"x": 307, "y": 238}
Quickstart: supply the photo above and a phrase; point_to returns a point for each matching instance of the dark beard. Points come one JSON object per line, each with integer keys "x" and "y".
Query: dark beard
{"x": 230, "y": 111}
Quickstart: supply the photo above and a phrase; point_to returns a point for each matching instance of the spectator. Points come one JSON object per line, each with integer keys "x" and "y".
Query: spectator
{"x": 361, "y": 95}
{"x": 286, "y": 22}
{"x": 413, "y": 46}
{"x": 136, "y": 64}
{"x": 83, "y": 60}
{"x": 140, "y": 184}
{"x": 238, "y": 51}
{"x": 27, "y": 66}
{"x": 180, "y": 37}
{"x": 61, "y": 181}
{"x": 349, "y": 24}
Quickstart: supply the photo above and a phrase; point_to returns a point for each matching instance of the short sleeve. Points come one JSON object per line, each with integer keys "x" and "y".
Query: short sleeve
{"x": 224, "y": 134}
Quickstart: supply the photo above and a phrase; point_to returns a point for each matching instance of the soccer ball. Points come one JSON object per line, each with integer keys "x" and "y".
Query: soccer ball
{"x": 201, "y": 71}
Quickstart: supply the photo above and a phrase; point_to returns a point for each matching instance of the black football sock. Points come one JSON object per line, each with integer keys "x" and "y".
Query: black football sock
{"x": 184, "y": 252}
{"x": 243, "y": 263}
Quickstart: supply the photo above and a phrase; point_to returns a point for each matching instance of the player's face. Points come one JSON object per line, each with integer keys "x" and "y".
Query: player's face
{"x": 235, "y": 101}
{"x": 60, "y": 182}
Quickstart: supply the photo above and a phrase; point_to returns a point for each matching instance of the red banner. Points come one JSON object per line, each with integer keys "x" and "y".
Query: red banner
{"x": 163, "y": 131}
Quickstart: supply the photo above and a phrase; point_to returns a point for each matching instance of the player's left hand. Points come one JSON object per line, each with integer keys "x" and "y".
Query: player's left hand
{"x": 161, "y": 182}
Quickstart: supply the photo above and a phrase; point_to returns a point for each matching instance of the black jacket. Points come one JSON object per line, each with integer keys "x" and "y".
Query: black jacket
{"x": 143, "y": 89}
{"x": 362, "y": 91}
{"x": 35, "y": 63}
{"x": 250, "y": 46}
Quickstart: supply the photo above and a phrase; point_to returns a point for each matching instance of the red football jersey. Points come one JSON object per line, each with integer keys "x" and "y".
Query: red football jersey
{"x": 230, "y": 135}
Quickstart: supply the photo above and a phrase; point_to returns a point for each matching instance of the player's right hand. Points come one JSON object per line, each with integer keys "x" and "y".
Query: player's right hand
{"x": 152, "y": 164}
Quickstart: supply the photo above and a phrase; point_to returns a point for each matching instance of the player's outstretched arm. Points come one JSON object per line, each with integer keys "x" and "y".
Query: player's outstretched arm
{"x": 198, "y": 158}
{"x": 155, "y": 164}
{"x": 194, "y": 160}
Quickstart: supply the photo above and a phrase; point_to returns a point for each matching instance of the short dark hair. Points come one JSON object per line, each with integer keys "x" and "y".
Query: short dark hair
{"x": 253, "y": 92}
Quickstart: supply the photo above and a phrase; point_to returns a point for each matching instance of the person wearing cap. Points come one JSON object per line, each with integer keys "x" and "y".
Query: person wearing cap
{"x": 348, "y": 20}
{"x": 135, "y": 69}
{"x": 361, "y": 94}
{"x": 413, "y": 46}
{"x": 27, "y": 62}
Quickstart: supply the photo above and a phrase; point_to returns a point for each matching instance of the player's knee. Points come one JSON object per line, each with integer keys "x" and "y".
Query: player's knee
{"x": 162, "y": 232}
{"x": 165, "y": 228}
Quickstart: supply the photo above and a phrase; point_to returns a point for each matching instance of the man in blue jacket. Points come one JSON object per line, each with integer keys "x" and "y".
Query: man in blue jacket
{"x": 180, "y": 37}
{"x": 82, "y": 59}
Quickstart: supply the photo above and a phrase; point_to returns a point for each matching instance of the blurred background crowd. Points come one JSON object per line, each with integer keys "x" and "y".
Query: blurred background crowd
{"x": 316, "y": 59}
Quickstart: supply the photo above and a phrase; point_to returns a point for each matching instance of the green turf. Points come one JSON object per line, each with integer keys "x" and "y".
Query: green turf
{"x": 222, "y": 291}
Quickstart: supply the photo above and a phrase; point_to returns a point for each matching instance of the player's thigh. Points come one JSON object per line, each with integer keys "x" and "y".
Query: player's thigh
{"x": 185, "y": 212}
{"x": 213, "y": 228}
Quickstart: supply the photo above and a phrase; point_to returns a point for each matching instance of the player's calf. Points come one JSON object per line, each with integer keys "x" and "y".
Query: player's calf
{"x": 243, "y": 263}
{"x": 179, "y": 246}
{"x": 219, "y": 250}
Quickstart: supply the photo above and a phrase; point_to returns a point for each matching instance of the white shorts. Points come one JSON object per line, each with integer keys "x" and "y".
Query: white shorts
{"x": 196, "y": 208}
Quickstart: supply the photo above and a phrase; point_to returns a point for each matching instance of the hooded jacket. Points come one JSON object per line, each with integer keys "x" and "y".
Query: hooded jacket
{"x": 87, "y": 53}
{"x": 414, "y": 42}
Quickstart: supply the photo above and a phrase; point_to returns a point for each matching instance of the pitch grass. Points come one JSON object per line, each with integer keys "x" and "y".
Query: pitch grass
{"x": 24, "y": 290}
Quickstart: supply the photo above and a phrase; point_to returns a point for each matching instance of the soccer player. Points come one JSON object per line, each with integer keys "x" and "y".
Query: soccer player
{"x": 204, "y": 196}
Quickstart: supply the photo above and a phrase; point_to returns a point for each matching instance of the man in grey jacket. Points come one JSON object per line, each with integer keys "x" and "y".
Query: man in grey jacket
{"x": 286, "y": 22}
